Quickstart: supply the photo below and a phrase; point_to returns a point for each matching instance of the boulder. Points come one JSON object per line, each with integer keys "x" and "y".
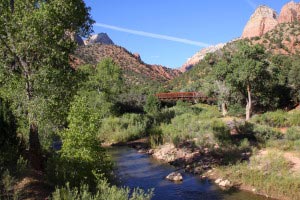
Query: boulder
{"x": 174, "y": 176}
{"x": 225, "y": 183}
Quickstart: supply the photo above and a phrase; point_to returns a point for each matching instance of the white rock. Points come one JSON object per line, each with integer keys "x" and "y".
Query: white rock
{"x": 225, "y": 183}
{"x": 175, "y": 176}
{"x": 218, "y": 180}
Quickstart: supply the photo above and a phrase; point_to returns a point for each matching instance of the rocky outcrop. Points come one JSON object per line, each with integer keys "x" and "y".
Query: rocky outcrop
{"x": 290, "y": 13}
{"x": 137, "y": 56}
{"x": 195, "y": 59}
{"x": 101, "y": 38}
{"x": 263, "y": 20}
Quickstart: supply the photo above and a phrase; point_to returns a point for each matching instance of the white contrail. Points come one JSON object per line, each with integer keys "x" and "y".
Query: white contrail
{"x": 252, "y": 4}
{"x": 153, "y": 35}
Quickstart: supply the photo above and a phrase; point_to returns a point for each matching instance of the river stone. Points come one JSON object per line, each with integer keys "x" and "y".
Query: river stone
{"x": 218, "y": 181}
{"x": 225, "y": 183}
{"x": 175, "y": 176}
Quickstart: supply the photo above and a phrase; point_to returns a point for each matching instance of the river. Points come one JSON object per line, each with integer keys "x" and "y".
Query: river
{"x": 141, "y": 170}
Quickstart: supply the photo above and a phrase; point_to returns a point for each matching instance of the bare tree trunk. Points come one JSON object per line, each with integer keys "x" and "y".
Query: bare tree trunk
{"x": 224, "y": 109}
{"x": 249, "y": 104}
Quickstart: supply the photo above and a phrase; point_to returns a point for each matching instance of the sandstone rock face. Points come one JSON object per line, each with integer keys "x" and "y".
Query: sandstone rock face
{"x": 263, "y": 20}
{"x": 290, "y": 13}
{"x": 191, "y": 62}
{"x": 102, "y": 38}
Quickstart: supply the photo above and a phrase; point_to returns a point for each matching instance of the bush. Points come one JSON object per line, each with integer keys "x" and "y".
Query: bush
{"x": 293, "y": 133}
{"x": 104, "y": 192}
{"x": 124, "y": 128}
{"x": 264, "y": 133}
{"x": 221, "y": 132}
{"x": 236, "y": 110}
{"x": 294, "y": 118}
{"x": 152, "y": 105}
{"x": 278, "y": 118}
{"x": 156, "y": 136}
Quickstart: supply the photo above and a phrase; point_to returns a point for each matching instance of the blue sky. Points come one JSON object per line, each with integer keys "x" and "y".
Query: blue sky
{"x": 168, "y": 32}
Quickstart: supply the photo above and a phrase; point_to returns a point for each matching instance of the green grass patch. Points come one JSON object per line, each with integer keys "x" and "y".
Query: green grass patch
{"x": 122, "y": 129}
{"x": 269, "y": 174}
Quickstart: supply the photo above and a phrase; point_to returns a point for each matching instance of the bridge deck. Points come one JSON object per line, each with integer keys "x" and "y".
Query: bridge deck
{"x": 184, "y": 96}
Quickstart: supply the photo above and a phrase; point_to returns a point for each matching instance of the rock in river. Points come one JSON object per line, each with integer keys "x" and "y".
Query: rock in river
{"x": 175, "y": 176}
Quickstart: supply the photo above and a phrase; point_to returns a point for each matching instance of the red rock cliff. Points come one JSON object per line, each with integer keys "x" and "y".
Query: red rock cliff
{"x": 290, "y": 13}
{"x": 263, "y": 20}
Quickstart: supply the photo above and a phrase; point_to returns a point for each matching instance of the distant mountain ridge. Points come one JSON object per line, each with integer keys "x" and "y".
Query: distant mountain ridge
{"x": 134, "y": 69}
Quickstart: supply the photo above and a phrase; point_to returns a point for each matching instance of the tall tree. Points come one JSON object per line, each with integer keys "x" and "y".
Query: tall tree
{"x": 35, "y": 39}
{"x": 248, "y": 72}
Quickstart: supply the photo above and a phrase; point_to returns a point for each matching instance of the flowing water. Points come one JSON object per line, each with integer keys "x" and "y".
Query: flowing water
{"x": 140, "y": 170}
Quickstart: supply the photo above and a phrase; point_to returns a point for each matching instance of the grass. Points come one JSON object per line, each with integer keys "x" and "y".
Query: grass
{"x": 191, "y": 122}
{"x": 269, "y": 174}
{"x": 124, "y": 128}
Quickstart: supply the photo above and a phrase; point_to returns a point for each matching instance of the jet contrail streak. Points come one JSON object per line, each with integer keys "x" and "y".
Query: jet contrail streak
{"x": 153, "y": 35}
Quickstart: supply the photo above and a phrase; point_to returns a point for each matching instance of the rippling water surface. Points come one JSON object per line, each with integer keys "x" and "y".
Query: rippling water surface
{"x": 140, "y": 170}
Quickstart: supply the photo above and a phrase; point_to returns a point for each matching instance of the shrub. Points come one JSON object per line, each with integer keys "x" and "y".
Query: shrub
{"x": 156, "y": 136}
{"x": 293, "y": 133}
{"x": 236, "y": 110}
{"x": 278, "y": 118}
{"x": 124, "y": 128}
{"x": 294, "y": 118}
{"x": 221, "y": 132}
{"x": 104, "y": 192}
{"x": 264, "y": 133}
{"x": 152, "y": 105}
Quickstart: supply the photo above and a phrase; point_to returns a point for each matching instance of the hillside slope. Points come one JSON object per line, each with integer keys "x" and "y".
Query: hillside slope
{"x": 134, "y": 69}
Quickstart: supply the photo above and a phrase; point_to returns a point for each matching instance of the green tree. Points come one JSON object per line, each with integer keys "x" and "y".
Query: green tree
{"x": 152, "y": 105}
{"x": 81, "y": 158}
{"x": 246, "y": 72}
{"x": 35, "y": 38}
{"x": 294, "y": 77}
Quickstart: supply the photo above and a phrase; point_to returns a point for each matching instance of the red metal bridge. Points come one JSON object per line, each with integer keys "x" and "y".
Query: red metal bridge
{"x": 185, "y": 96}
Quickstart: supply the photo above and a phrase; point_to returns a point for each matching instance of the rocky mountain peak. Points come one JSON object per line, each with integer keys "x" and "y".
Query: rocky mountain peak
{"x": 263, "y": 20}
{"x": 191, "y": 62}
{"x": 290, "y": 13}
{"x": 102, "y": 38}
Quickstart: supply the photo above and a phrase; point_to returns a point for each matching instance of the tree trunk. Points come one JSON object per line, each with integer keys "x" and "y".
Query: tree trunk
{"x": 249, "y": 104}
{"x": 224, "y": 109}
{"x": 35, "y": 153}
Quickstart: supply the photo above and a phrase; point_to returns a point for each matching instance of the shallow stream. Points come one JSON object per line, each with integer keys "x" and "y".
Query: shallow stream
{"x": 141, "y": 170}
